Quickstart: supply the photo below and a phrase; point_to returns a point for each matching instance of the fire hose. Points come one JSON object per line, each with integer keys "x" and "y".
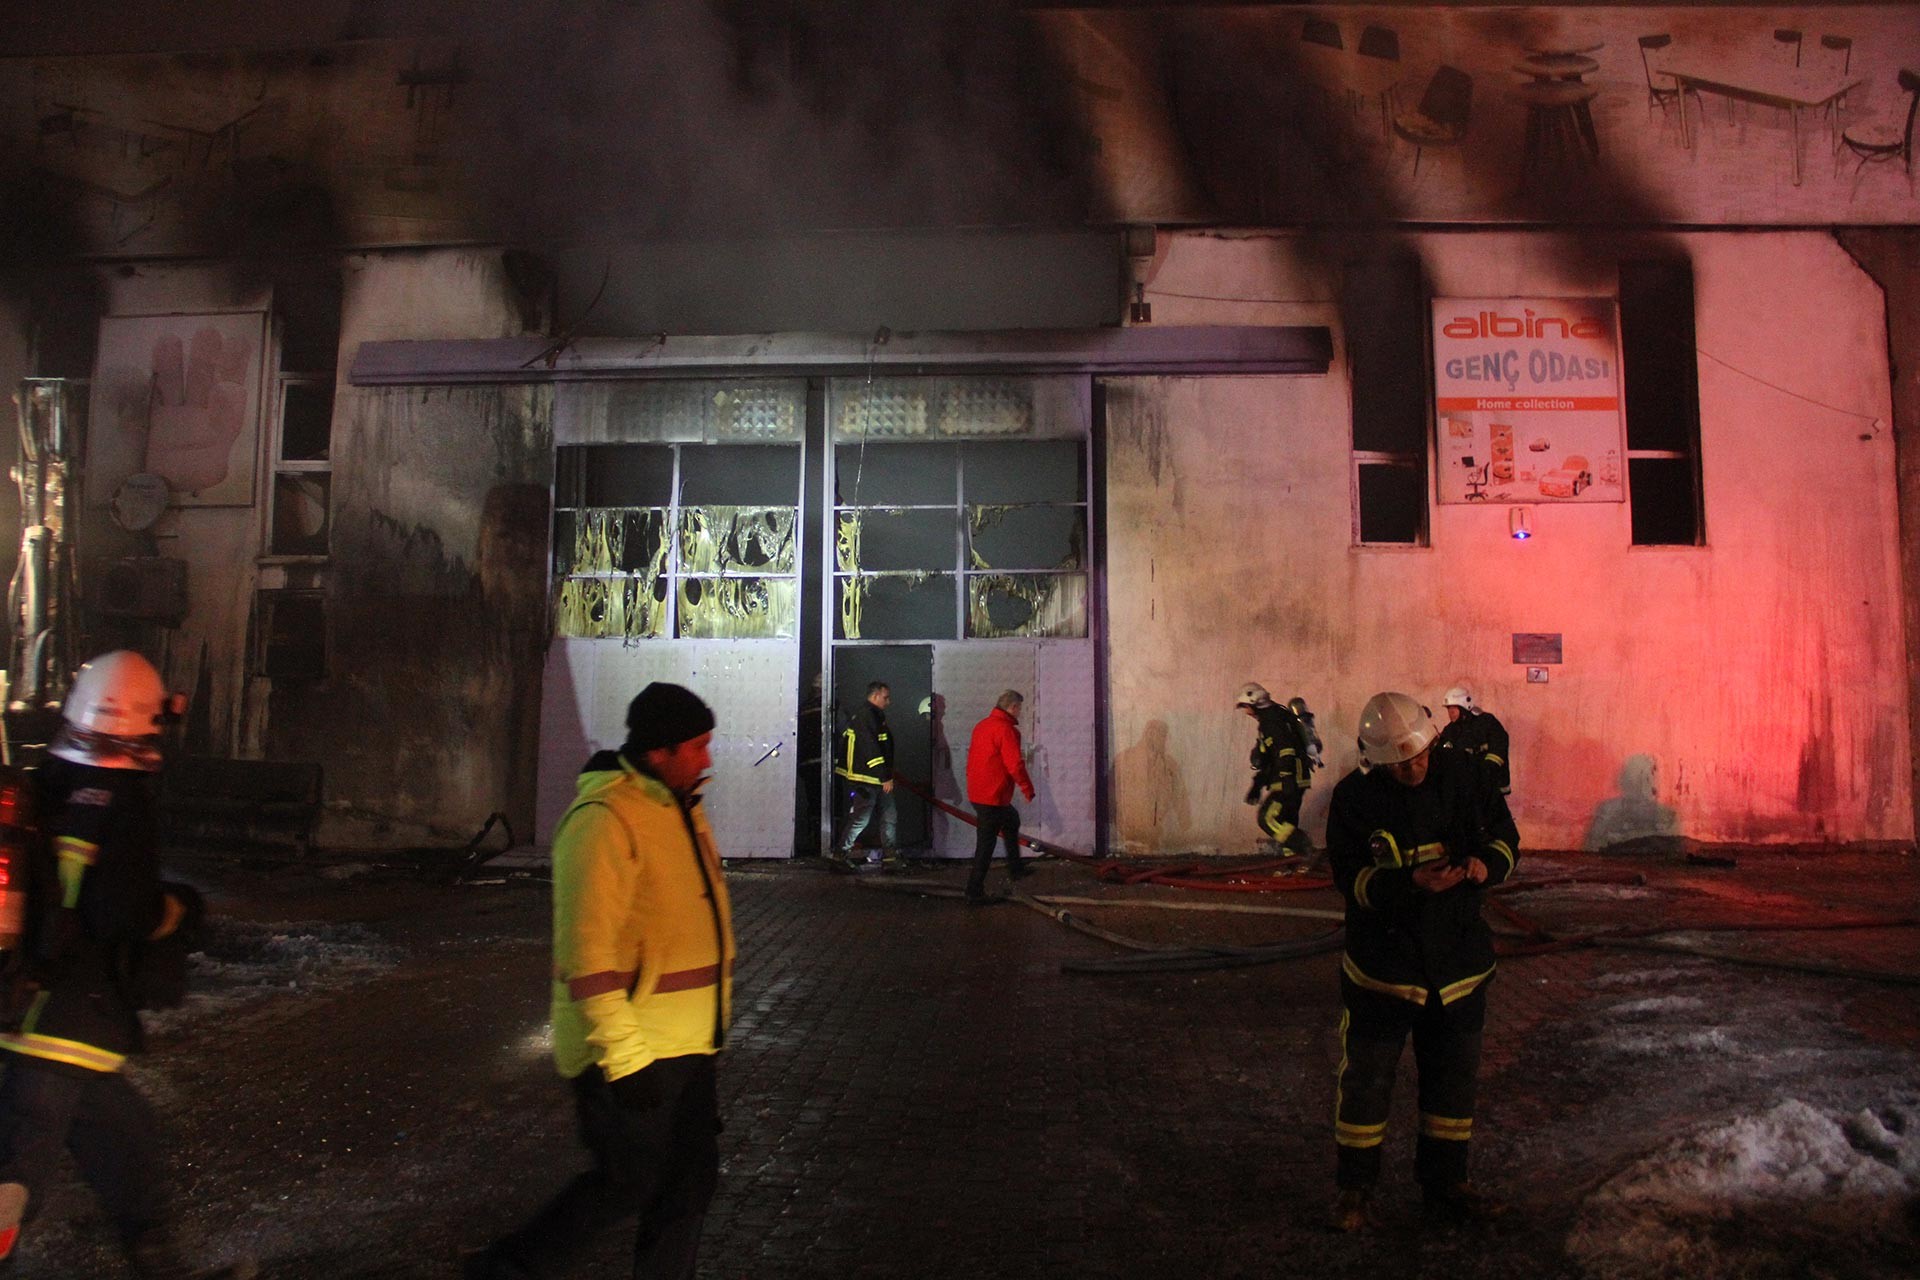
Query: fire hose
{"x": 1255, "y": 877}
{"x": 1523, "y": 937}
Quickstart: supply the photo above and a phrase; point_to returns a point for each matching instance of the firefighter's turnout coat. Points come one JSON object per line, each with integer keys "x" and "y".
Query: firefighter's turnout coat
{"x": 865, "y": 756}
{"x": 1479, "y": 736}
{"x": 1279, "y": 754}
{"x": 98, "y": 908}
{"x": 1401, "y": 942}
{"x": 642, "y": 930}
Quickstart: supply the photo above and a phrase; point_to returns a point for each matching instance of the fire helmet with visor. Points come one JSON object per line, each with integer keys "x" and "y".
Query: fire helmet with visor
{"x": 1393, "y": 728}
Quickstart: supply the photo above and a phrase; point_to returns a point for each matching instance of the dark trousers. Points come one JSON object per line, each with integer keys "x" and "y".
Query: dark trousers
{"x": 661, "y": 1162}
{"x": 1002, "y": 820}
{"x": 1446, "y": 1050}
{"x": 110, "y": 1130}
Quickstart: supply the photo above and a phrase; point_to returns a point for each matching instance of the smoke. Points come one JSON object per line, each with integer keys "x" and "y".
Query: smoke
{"x": 644, "y": 121}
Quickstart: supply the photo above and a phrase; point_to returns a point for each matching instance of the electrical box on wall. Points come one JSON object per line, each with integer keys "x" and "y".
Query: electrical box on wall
{"x": 146, "y": 588}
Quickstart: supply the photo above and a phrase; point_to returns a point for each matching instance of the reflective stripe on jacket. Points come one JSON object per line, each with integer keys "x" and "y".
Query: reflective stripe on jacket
{"x": 642, "y": 929}
{"x": 1280, "y": 752}
{"x": 1401, "y": 940}
{"x": 865, "y": 754}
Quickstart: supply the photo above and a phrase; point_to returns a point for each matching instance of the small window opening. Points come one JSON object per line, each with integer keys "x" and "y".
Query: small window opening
{"x": 1661, "y": 370}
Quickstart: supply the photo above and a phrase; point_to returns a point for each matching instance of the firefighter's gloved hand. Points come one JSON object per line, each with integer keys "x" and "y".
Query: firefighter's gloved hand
{"x": 1253, "y": 793}
{"x": 638, "y": 1091}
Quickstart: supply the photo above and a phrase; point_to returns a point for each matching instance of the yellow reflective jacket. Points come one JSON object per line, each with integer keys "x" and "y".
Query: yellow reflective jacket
{"x": 642, "y": 931}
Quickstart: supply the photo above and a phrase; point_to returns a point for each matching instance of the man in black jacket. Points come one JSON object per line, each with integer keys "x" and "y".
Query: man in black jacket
{"x": 101, "y": 926}
{"x": 864, "y": 765}
{"x": 1415, "y": 840}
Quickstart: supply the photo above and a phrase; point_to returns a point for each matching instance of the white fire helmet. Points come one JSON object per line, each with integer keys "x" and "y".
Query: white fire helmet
{"x": 1393, "y": 728}
{"x": 1459, "y": 696}
{"x": 113, "y": 713}
{"x": 1253, "y": 695}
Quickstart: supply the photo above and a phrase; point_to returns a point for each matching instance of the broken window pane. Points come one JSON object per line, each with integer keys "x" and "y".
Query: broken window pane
{"x": 1026, "y": 604}
{"x": 598, "y": 608}
{"x": 610, "y": 542}
{"x": 293, "y": 635}
{"x": 740, "y": 475}
{"x": 1027, "y": 537}
{"x": 614, "y": 475}
{"x": 900, "y": 606}
{"x": 300, "y": 513}
{"x": 875, "y": 540}
{"x": 739, "y": 608}
{"x": 894, "y": 475}
{"x": 306, "y": 422}
{"x": 1024, "y": 471}
{"x": 1393, "y": 502}
{"x": 736, "y": 540}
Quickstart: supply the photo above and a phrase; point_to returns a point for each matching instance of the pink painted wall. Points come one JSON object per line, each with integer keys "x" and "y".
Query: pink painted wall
{"x": 1754, "y": 689}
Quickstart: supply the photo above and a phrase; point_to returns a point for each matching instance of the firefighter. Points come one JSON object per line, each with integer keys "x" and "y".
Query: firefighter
{"x": 1282, "y": 770}
{"x": 104, "y": 936}
{"x": 1478, "y": 734}
{"x": 1415, "y": 840}
{"x": 864, "y": 763}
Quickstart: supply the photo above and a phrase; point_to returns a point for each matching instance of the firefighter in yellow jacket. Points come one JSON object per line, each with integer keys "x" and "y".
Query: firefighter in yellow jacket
{"x": 642, "y": 976}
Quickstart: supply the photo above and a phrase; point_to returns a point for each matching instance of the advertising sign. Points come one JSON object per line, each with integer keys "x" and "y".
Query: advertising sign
{"x": 1527, "y": 400}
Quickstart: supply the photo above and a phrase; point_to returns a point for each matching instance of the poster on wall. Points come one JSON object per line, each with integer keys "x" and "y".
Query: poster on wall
{"x": 178, "y": 396}
{"x": 1527, "y": 400}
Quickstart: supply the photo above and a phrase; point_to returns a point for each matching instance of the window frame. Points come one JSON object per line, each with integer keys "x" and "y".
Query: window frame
{"x": 673, "y": 573}
{"x": 276, "y": 466}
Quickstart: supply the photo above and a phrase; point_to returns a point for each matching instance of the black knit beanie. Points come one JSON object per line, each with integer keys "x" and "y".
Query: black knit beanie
{"x": 664, "y": 715}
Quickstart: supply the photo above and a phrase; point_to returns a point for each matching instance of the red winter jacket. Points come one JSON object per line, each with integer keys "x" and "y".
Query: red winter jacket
{"x": 994, "y": 766}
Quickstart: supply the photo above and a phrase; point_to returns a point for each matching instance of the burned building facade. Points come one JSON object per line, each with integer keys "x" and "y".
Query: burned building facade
{"x": 440, "y": 389}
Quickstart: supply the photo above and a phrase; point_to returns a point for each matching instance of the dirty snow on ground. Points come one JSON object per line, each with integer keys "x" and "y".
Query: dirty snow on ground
{"x": 1795, "y": 1189}
{"x": 245, "y": 960}
{"x": 1807, "y": 1166}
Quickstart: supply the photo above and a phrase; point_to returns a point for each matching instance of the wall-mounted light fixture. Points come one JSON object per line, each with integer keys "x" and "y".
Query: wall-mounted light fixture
{"x": 1520, "y": 523}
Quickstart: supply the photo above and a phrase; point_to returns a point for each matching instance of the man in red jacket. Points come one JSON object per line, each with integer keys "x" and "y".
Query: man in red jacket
{"x": 994, "y": 768}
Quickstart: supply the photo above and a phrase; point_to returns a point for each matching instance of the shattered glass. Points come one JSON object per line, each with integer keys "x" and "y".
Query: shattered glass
{"x": 895, "y": 606}
{"x": 611, "y": 541}
{"x": 1026, "y": 604}
{"x": 739, "y": 608}
{"x": 729, "y": 540}
{"x": 1026, "y": 537}
{"x": 610, "y": 608}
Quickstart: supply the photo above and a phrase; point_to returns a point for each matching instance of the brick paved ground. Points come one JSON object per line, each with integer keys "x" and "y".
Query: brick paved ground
{"x": 916, "y": 1089}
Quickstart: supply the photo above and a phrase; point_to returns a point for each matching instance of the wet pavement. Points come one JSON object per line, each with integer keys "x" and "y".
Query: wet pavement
{"x": 918, "y": 1089}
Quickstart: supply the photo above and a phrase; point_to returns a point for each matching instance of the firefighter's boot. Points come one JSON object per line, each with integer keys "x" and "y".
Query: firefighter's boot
{"x": 1352, "y": 1211}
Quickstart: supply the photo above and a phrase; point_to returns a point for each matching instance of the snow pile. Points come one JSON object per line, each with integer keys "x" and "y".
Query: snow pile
{"x": 245, "y": 960}
{"x": 1791, "y": 1191}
